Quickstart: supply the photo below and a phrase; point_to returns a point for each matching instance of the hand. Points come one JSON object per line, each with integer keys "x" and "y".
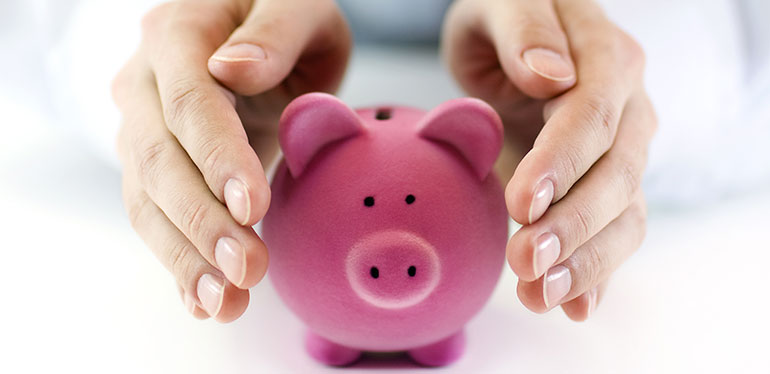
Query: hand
{"x": 568, "y": 84}
{"x": 200, "y": 96}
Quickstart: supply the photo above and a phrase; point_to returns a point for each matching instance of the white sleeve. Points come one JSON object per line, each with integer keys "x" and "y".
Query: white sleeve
{"x": 705, "y": 77}
{"x": 708, "y": 75}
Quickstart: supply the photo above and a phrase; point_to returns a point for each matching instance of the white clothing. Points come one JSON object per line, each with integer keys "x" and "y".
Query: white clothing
{"x": 708, "y": 74}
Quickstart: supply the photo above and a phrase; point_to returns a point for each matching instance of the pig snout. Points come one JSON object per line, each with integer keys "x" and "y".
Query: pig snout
{"x": 393, "y": 269}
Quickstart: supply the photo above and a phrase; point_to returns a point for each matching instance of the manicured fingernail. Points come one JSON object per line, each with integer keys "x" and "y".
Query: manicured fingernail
{"x": 231, "y": 258}
{"x": 547, "y": 251}
{"x": 592, "y": 296}
{"x": 548, "y": 64}
{"x": 244, "y": 52}
{"x": 556, "y": 285}
{"x": 211, "y": 292}
{"x": 237, "y": 200}
{"x": 540, "y": 200}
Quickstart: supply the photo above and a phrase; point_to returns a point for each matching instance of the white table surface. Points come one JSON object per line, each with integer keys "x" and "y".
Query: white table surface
{"x": 80, "y": 292}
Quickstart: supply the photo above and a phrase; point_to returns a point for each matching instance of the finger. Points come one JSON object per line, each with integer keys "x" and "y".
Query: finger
{"x": 582, "y": 124}
{"x": 531, "y": 46}
{"x": 590, "y": 265}
{"x": 265, "y": 48}
{"x": 175, "y": 185}
{"x": 582, "y": 307}
{"x": 197, "y": 110}
{"x": 598, "y": 198}
{"x": 484, "y": 49}
{"x": 190, "y": 305}
{"x": 203, "y": 285}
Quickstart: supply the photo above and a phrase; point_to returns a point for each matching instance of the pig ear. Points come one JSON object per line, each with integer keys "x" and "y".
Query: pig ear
{"x": 309, "y": 123}
{"x": 469, "y": 125}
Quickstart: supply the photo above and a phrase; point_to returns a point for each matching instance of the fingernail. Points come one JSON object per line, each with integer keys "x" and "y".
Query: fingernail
{"x": 547, "y": 251}
{"x": 231, "y": 259}
{"x": 548, "y": 64}
{"x": 540, "y": 200}
{"x": 556, "y": 284}
{"x": 211, "y": 291}
{"x": 237, "y": 200}
{"x": 592, "y": 296}
{"x": 243, "y": 52}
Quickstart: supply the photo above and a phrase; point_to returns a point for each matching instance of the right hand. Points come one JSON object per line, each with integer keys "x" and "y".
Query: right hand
{"x": 200, "y": 101}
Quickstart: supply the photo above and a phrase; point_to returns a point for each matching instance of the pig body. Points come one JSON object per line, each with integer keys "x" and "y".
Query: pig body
{"x": 386, "y": 234}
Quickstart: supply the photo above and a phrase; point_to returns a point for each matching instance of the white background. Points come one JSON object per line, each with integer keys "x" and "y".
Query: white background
{"x": 80, "y": 292}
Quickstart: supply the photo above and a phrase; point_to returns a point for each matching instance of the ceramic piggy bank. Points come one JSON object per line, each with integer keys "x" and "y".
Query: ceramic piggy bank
{"x": 387, "y": 227}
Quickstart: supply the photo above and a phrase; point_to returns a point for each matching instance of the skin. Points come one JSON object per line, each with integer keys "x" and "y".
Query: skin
{"x": 202, "y": 95}
{"x": 583, "y": 124}
{"x": 195, "y": 118}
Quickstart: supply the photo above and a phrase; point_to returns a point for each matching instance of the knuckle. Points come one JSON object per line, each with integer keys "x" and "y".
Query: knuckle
{"x": 194, "y": 217}
{"x": 584, "y": 221}
{"x": 130, "y": 81}
{"x": 211, "y": 20}
{"x": 156, "y": 17}
{"x": 627, "y": 50}
{"x": 183, "y": 97}
{"x": 601, "y": 118}
{"x": 570, "y": 161}
{"x": 150, "y": 160}
{"x": 214, "y": 151}
{"x": 586, "y": 267}
{"x": 630, "y": 176}
{"x": 180, "y": 261}
{"x": 631, "y": 47}
{"x": 594, "y": 264}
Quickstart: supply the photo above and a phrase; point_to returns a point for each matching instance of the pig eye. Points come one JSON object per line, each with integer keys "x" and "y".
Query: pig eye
{"x": 412, "y": 271}
{"x": 382, "y": 114}
{"x": 369, "y": 201}
{"x": 409, "y": 199}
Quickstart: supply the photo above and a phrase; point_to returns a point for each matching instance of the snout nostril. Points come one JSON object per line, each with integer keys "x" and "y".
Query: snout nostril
{"x": 374, "y": 272}
{"x": 411, "y": 271}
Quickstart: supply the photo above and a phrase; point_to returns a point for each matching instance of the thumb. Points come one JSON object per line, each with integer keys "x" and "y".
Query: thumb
{"x": 532, "y": 47}
{"x": 264, "y": 49}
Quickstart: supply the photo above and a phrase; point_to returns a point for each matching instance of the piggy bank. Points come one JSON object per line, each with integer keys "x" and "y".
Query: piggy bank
{"x": 387, "y": 227}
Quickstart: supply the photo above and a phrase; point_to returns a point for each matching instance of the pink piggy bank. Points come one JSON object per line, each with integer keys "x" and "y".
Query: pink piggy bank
{"x": 387, "y": 227}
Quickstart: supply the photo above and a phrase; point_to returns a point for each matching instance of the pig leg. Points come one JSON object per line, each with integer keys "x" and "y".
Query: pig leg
{"x": 443, "y": 352}
{"x": 329, "y": 353}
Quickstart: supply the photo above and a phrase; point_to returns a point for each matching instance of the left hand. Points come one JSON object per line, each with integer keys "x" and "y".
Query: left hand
{"x": 567, "y": 83}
